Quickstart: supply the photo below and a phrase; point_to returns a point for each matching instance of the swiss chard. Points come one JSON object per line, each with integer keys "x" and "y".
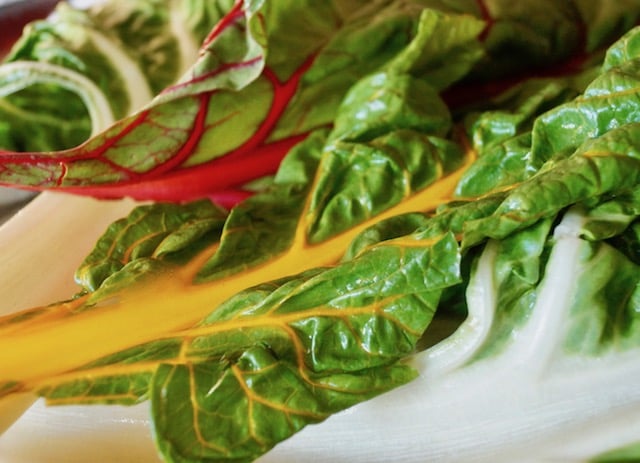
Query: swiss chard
{"x": 317, "y": 331}
{"x": 262, "y": 81}
{"x": 241, "y": 327}
{"x": 236, "y": 111}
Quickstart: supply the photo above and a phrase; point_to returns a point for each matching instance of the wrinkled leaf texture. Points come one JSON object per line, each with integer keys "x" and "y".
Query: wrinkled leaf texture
{"x": 317, "y": 289}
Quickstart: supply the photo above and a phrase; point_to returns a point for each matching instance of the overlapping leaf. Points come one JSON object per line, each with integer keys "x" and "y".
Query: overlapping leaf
{"x": 308, "y": 297}
{"x": 165, "y": 231}
{"x": 233, "y": 115}
{"x": 338, "y": 338}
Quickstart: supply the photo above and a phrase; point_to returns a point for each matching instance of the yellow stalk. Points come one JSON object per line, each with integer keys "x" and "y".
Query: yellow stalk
{"x": 37, "y": 260}
{"x": 62, "y": 341}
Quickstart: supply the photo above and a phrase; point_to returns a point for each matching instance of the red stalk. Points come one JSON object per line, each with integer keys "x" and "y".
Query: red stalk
{"x": 205, "y": 180}
{"x": 466, "y": 93}
{"x": 218, "y": 178}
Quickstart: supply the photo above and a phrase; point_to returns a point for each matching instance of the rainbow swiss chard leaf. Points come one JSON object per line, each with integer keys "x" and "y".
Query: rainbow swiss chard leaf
{"x": 261, "y": 82}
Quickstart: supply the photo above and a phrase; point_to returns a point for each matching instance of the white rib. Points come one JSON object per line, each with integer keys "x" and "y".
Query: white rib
{"x": 136, "y": 84}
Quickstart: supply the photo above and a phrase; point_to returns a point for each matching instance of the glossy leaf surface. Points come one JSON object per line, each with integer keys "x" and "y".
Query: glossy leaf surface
{"x": 208, "y": 124}
{"x": 398, "y": 211}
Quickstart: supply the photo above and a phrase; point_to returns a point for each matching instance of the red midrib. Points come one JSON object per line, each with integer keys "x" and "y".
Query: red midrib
{"x": 165, "y": 180}
{"x": 254, "y": 158}
{"x": 235, "y": 14}
{"x": 485, "y": 15}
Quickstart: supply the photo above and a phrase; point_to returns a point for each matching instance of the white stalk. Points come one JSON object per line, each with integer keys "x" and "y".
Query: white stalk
{"x": 512, "y": 407}
{"x": 136, "y": 85}
{"x": 187, "y": 44}
{"x": 537, "y": 344}
{"x": 458, "y": 348}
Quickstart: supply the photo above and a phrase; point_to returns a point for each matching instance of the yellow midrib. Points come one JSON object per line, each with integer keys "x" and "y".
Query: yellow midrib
{"x": 172, "y": 303}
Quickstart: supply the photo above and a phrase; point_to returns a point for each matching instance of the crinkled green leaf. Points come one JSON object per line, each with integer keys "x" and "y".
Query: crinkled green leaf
{"x": 611, "y": 218}
{"x": 161, "y": 231}
{"x": 501, "y": 130}
{"x": 605, "y": 165}
{"x": 255, "y": 90}
{"x": 245, "y": 407}
{"x": 597, "y": 302}
{"x": 517, "y": 271}
{"x": 360, "y": 180}
{"x": 605, "y": 105}
{"x": 604, "y": 315}
{"x": 333, "y": 346}
{"x": 502, "y": 165}
{"x": 624, "y": 49}
{"x": 514, "y": 111}
{"x": 445, "y": 49}
{"x": 383, "y": 102}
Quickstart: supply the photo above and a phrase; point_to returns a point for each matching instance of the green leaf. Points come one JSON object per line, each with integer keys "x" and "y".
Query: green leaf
{"x": 445, "y": 49}
{"x": 257, "y": 401}
{"x": 605, "y": 105}
{"x": 604, "y": 166}
{"x": 517, "y": 270}
{"x": 384, "y": 102}
{"x": 161, "y": 231}
{"x": 627, "y": 454}
{"x": 609, "y": 289}
{"x": 324, "y": 344}
{"x": 625, "y": 49}
{"x": 357, "y": 181}
{"x": 502, "y": 165}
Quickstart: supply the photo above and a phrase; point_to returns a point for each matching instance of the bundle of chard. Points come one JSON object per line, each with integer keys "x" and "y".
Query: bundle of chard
{"x": 426, "y": 212}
